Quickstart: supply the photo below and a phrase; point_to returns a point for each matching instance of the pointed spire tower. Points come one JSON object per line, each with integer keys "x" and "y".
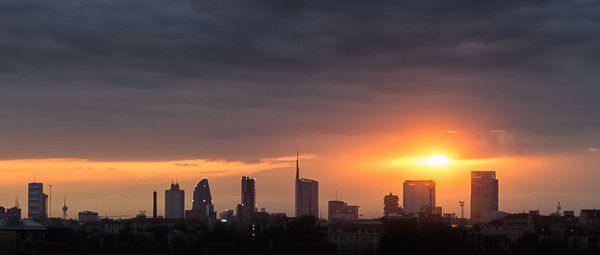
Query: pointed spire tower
{"x": 307, "y": 194}
{"x": 297, "y": 166}
{"x": 298, "y": 183}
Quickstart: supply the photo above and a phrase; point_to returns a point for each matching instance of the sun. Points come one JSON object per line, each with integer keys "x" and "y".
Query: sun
{"x": 437, "y": 161}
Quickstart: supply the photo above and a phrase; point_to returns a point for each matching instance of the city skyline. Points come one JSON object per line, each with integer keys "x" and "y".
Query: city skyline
{"x": 418, "y": 195}
{"x": 323, "y": 127}
{"x": 369, "y": 209}
{"x": 374, "y": 93}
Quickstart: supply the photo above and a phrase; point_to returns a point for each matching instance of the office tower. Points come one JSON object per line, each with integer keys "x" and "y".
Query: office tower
{"x": 202, "y": 199}
{"x": 340, "y": 210}
{"x": 484, "y": 193}
{"x": 37, "y": 201}
{"x": 154, "y": 213}
{"x": 307, "y": 195}
{"x": 202, "y": 205}
{"x": 419, "y": 196}
{"x": 174, "y": 202}
{"x": 248, "y": 199}
{"x": 2, "y": 213}
{"x": 391, "y": 204}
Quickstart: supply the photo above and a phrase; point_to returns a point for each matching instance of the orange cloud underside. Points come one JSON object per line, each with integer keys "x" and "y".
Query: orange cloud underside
{"x": 72, "y": 170}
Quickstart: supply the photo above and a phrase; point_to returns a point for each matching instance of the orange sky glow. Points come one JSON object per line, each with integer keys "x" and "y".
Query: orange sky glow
{"x": 361, "y": 174}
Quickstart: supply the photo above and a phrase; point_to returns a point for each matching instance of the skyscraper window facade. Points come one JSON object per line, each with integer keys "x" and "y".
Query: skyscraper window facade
{"x": 484, "y": 193}
{"x": 307, "y": 194}
{"x": 418, "y": 196}
{"x": 174, "y": 202}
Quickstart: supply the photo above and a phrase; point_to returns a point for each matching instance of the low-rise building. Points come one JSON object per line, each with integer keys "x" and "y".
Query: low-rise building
{"x": 356, "y": 237}
{"x": 21, "y": 237}
{"x": 87, "y": 216}
{"x": 340, "y": 210}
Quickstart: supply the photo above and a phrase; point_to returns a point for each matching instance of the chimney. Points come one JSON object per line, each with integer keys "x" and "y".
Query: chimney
{"x": 154, "y": 205}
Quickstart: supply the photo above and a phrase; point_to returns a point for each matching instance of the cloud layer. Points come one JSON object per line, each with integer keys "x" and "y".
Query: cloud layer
{"x": 245, "y": 79}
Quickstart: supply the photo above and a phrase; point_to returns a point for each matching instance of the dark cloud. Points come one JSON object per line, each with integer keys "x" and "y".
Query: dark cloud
{"x": 157, "y": 79}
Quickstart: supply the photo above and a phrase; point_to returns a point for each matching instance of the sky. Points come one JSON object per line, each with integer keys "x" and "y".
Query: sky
{"x": 110, "y": 100}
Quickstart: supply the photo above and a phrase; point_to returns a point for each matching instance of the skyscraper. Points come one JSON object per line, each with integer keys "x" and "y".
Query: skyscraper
{"x": 484, "y": 193}
{"x": 307, "y": 194}
{"x": 154, "y": 207}
{"x": 419, "y": 196}
{"x": 37, "y": 203}
{"x": 202, "y": 205}
{"x": 248, "y": 199}
{"x": 174, "y": 202}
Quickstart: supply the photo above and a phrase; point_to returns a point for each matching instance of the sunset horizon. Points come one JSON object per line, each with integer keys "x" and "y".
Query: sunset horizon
{"x": 240, "y": 127}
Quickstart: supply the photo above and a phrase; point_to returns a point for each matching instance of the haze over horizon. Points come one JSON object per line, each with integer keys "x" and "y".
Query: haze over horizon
{"x": 111, "y": 100}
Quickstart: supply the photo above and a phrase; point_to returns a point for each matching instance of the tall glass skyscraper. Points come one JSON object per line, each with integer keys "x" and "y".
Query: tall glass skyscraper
{"x": 484, "y": 193}
{"x": 202, "y": 205}
{"x": 307, "y": 194}
{"x": 248, "y": 198}
{"x": 418, "y": 195}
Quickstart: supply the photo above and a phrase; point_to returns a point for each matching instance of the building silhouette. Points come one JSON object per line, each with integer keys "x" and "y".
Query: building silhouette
{"x": 391, "y": 204}
{"x": 484, "y": 193}
{"x": 248, "y": 199}
{"x": 174, "y": 202}
{"x": 37, "y": 202}
{"x": 87, "y": 216}
{"x": 307, "y": 195}
{"x": 202, "y": 205}
{"x": 418, "y": 196}
{"x": 154, "y": 205}
{"x": 65, "y": 209}
{"x": 340, "y": 210}
{"x": 226, "y": 215}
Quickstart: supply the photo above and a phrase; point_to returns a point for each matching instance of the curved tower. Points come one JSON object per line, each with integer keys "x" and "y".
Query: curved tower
{"x": 202, "y": 205}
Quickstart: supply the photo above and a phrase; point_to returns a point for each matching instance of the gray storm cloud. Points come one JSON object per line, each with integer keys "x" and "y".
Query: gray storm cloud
{"x": 216, "y": 78}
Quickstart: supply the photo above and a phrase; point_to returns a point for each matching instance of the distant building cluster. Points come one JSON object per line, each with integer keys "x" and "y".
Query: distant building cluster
{"x": 343, "y": 229}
